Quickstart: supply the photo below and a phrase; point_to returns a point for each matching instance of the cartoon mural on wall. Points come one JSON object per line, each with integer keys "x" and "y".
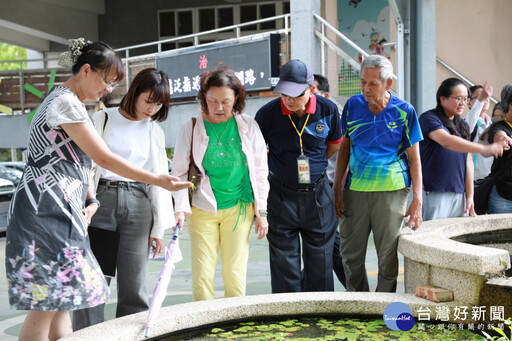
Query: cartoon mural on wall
{"x": 377, "y": 44}
{"x": 366, "y": 23}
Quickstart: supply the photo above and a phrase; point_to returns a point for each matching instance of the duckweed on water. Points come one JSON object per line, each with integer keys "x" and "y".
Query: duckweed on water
{"x": 311, "y": 328}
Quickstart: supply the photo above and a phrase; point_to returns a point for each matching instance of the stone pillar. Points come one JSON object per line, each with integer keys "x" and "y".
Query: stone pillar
{"x": 304, "y": 44}
{"x": 419, "y": 19}
{"x": 423, "y": 55}
{"x": 330, "y": 13}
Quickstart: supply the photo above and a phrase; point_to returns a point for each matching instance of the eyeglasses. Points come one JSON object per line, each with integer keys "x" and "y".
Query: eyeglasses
{"x": 461, "y": 99}
{"x": 110, "y": 86}
{"x": 472, "y": 98}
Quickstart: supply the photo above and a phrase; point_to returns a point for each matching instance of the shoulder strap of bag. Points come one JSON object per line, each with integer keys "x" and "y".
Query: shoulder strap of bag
{"x": 103, "y": 117}
{"x": 473, "y": 133}
{"x": 192, "y": 141}
{"x": 106, "y": 120}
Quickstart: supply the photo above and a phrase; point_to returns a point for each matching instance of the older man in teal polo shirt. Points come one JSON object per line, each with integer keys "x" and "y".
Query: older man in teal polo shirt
{"x": 381, "y": 150}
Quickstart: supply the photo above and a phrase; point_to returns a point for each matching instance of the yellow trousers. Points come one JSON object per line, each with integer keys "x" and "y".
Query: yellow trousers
{"x": 208, "y": 233}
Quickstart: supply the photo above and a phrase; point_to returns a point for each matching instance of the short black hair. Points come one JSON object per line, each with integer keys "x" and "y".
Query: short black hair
{"x": 155, "y": 81}
{"x": 474, "y": 88}
{"x": 323, "y": 83}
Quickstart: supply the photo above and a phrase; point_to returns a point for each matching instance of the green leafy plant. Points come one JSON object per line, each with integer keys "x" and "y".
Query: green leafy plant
{"x": 12, "y": 52}
{"x": 326, "y": 328}
{"x": 503, "y": 336}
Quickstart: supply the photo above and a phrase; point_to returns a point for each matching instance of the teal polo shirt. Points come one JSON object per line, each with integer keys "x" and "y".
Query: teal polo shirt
{"x": 378, "y": 143}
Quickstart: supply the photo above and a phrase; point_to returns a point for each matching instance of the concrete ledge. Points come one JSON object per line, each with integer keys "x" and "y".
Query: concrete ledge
{"x": 431, "y": 244}
{"x": 196, "y": 314}
{"x": 432, "y": 258}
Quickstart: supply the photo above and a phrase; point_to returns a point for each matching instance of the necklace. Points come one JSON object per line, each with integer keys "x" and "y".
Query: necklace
{"x": 219, "y": 142}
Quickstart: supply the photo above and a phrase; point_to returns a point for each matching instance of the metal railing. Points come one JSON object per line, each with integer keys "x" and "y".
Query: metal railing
{"x": 349, "y": 64}
{"x": 322, "y": 35}
{"x": 21, "y": 61}
{"x": 458, "y": 74}
{"x": 349, "y": 72}
{"x": 149, "y": 60}
{"x": 195, "y": 36}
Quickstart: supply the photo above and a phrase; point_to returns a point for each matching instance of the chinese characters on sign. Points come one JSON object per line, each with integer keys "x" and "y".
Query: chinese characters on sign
{"x": 203, "y": 62}
{"x": 187, "y": 84}
{"x": 255, "y": 62}
{"x": 473, "y": 318}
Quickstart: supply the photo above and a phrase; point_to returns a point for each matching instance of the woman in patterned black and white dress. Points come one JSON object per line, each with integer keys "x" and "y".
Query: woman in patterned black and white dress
{"x": 49, "y": 264}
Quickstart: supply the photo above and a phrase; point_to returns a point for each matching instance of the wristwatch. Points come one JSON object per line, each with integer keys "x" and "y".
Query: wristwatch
{"x": 92, "y": 201}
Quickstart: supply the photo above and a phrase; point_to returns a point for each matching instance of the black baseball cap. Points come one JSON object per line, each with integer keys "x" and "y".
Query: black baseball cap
{"x": 295, "y": 77}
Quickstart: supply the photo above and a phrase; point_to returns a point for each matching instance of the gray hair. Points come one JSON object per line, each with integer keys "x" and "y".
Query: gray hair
{"x": 380, "y": 62}
{"x": 506, "y": 97}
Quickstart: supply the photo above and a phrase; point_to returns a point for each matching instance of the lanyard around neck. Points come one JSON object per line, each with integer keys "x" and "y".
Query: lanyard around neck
{"x": 509, "y": 124}
{"x": 300, "y": 134}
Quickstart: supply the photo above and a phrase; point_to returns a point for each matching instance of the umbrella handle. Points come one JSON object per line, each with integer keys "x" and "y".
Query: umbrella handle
{"x": 176, "y": 232}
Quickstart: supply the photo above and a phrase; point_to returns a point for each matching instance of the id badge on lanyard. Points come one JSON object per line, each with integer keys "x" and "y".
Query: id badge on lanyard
{"x": 303, "y": 169}
{"x": 302, "y": 161}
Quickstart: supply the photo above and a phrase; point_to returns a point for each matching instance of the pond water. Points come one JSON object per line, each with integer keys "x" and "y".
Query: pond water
{"x": 322, "y": 328}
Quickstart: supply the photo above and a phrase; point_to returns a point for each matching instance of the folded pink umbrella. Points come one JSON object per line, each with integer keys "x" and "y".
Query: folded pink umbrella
{"x": 173, "y": 255}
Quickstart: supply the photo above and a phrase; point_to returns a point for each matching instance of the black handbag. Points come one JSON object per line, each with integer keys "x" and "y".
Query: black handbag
{"x": 481, "y": 194}
{"x": 483, "y": 188}
{"x": 194, "y": 174}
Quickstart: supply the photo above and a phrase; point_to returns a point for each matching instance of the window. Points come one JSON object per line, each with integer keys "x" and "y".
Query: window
{"x": 167, "y": 24}
{"x": 206, "y": 19}
{"x": 286, "y": 7}
{"x": 185, "y": 23}
{"x": 267, "y": 11}
{"x": 185, "y": 44}
{"x": 168, "y": 46}
{"x": 248, "y": 13}
{"x": 175, "y": 23}
{"x": 225, "y": 17}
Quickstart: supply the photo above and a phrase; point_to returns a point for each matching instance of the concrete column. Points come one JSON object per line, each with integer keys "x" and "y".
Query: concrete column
{"x": 304, "y": 44}
{"x": 330, "y": 13}
{"x": 423, "y": 54}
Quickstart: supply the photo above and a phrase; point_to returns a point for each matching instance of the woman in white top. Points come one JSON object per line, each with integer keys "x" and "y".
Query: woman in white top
{"x": 139, "y": 213}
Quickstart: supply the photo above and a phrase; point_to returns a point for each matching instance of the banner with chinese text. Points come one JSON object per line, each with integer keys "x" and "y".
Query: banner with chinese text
{"x": 255, "y": 62}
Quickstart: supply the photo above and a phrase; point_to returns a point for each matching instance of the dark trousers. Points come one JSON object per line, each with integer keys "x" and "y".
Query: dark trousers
{"x": 301, "y": 215}
{"x": 337, "y": 262}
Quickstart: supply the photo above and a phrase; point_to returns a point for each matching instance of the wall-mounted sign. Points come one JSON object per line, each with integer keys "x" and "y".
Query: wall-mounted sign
{"x": 255, "y": 62}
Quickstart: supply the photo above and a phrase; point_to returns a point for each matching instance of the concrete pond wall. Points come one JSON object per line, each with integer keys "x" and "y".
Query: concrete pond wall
{"x": 431, "y": 257}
